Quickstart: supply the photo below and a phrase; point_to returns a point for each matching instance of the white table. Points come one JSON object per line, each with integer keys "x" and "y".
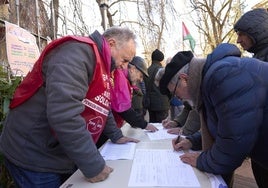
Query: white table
{"x": 120, "y": 176}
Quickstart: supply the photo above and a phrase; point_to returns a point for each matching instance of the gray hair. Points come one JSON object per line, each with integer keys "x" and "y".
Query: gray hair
{"x": 121, "y": 34}
{"x": 184, "y": 69}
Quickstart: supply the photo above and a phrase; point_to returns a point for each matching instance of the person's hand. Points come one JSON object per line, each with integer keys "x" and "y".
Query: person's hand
{"x": 190, "y": 158}
{"x": 176, "y": 131}
{"x": 182, "y": 144}
{"x": 125, "y": 139}
{"x": 165, "y": 121}
{"x": 102, "y": 175}
{"x": 151, "y": 127}
{"x": 169, "y": 124}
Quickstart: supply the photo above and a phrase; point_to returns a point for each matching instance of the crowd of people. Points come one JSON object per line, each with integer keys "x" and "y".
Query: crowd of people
{"x": 82, "y": 90}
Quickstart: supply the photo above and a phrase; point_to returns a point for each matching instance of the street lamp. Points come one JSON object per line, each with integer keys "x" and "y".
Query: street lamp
{"x": 104, "y": 8}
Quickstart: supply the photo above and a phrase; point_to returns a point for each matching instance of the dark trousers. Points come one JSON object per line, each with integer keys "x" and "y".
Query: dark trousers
{"x": 260, "y": 174}
{"x": 157, "y": 116}
{"x": 30, "y": 179}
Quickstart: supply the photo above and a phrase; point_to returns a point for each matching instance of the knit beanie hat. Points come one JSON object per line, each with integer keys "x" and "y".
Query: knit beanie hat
{"x": 157, "y": 55}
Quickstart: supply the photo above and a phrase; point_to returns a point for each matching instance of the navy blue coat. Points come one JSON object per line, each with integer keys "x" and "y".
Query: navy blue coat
{"x": 235, "y": 95}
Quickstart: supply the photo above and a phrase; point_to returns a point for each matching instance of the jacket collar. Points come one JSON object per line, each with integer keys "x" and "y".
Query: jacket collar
{"x": 194, "y": 83}
{"x": 221, "y": 51}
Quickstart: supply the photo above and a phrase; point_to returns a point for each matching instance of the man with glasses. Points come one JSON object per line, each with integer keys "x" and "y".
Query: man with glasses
{"x": 188, "y": 121}
{"x": 231, "y": 96}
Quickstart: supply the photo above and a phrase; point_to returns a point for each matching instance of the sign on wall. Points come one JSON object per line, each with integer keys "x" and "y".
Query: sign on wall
{"x": 22, "y": 50}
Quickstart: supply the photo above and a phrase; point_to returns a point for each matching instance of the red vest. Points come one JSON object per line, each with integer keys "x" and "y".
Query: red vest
{"x": 97, "y": 101}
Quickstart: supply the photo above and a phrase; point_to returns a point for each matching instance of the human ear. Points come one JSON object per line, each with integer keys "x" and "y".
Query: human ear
{"x": 111, "y": 42}
{"x": 183, "y": 76}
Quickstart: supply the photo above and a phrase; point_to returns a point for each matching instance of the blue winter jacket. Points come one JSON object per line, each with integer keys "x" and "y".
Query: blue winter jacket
{"x": 235, "y": 97}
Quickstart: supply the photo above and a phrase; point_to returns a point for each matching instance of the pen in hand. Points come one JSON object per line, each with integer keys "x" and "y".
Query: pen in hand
{"x": 177, "y": 140}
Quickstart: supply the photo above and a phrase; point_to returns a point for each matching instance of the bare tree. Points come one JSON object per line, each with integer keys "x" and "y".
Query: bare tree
{"x": 150, "y": 23}
{"x": 155, "y": 19}
{"x": 81, "y": 28}
{"x": 152, "y": 19}
{"x": 53, "y": 21}
{"x": 34, "y": 20}
{"x": 214, "y": 20}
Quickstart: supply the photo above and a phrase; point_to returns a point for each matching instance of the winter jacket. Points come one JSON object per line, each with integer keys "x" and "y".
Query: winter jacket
{"x": 158, "y": 101}
{"x": 137, "y": 99}
{"x": 47, "y": 133}
{"x": 255, "y": 24}
{"x": 235, "y": 101}
{"x": 192, "y": 123}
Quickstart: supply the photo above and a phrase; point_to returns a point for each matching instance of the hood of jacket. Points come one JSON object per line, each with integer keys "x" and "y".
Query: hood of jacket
{"x": 221, "y": 51}
{"x": 255, "y": 24}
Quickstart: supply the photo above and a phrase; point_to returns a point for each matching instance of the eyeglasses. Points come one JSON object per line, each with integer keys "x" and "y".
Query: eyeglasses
{"x": 175, "y": 88}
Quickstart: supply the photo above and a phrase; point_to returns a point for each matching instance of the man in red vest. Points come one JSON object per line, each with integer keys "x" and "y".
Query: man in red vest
{"x": 125, "y": 87}
{"x": 62, "y": 106}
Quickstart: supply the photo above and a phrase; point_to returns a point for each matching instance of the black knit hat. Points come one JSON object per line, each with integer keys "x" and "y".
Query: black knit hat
{"x": 176, "y": 63}
{"x": 157, "y": 55}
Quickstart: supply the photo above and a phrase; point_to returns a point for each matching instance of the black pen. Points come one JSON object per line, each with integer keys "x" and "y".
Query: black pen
{"x": 177, "y": 140}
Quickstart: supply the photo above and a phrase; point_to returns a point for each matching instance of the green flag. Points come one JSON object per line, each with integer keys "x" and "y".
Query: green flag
{"x": 187, "y": 36}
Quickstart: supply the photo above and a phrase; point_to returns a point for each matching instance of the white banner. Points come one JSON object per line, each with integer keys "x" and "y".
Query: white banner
{"x": 22, "y": 50}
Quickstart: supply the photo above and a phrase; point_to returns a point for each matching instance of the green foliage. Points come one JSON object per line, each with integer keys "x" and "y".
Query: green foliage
{"x": 5, "y": 179}
{"x": 8, "y": 85}
{"x": 7, "y": 89}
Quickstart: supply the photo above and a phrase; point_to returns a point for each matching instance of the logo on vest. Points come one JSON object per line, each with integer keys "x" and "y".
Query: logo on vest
{"x": 94, "y": 125}
{"x": 95, "y": 106}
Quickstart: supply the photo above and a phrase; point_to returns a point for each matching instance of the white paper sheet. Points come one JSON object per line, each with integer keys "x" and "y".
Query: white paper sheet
{"x": 161, "y": 168}
{"x": 112, "y": 151}
{"x": 160, "y": 134}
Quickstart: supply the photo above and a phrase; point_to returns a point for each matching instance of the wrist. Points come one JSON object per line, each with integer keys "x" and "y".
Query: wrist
{"x": 177, "y": 123}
